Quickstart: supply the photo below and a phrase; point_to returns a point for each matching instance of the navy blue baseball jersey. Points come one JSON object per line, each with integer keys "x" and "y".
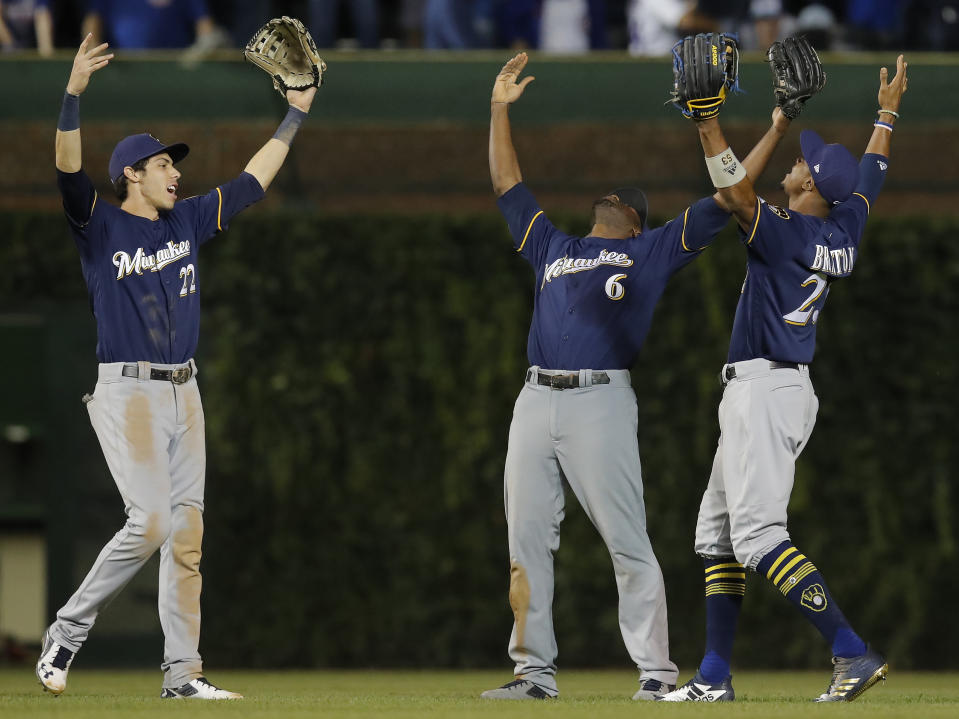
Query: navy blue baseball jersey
{"x": 143, "y": 275}
{"x": 791, "y": 260}
{"x": 594, "y": 297}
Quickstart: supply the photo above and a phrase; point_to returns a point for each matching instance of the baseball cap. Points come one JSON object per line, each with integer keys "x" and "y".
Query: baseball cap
{"x": 130, "y": 150}
{"x": 833, "y": 168}
{"x": 635, "y": 198}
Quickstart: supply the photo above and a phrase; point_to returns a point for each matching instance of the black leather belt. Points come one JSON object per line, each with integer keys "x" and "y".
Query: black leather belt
{"x": 569, "y": 380}
{"x": 730, "y": 372}
{"x": 176, "y": 376}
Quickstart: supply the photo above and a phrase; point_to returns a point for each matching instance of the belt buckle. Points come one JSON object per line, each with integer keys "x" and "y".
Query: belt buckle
{"x": 561, "y": 381}
{"x": 181, "y": 374}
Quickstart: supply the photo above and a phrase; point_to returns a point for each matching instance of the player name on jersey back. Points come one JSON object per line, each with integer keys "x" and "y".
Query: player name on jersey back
{"x": 834, "y": 262}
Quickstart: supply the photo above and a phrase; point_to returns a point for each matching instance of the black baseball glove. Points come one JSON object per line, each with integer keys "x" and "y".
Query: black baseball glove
{"x": 285, "y": 49}
{"x": 797, "y": 74}
{"x": 705, "y": 70}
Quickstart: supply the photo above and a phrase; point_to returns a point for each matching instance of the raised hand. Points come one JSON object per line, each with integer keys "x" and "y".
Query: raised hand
{"x": 506, "y": 90}
{"x": 87, "y": 62}
{"x": 301, "y": 99}
{"x": 890, "y": 93}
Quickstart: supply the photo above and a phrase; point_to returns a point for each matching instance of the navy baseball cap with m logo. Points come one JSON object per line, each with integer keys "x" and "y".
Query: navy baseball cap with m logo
{"x": 130, "y": 150}
{"x": 833, "y": 168}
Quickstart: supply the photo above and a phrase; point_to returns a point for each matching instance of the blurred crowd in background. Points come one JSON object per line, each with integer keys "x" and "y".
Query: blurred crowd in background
{"x": 642, "y": 27}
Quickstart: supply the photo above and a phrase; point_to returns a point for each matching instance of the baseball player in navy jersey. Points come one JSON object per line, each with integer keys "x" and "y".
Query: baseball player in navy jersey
{"x": 576, "y": 417}
{"x": 768, "y": 410}
{"x": 141, "y": 265}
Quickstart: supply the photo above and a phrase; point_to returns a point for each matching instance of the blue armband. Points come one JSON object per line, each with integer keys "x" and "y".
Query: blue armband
{"x": 291, "y": 123}
{"x": 69, "y": 113}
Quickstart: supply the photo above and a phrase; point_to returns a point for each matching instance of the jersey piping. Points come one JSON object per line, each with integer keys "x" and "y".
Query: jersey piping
{"x": 858, "y": 194}
{"x": 752, "y": 234}
{"x": 526, "y": 236}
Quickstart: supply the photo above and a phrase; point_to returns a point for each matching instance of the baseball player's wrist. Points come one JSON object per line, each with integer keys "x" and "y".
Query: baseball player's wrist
{"x": 291, "y": 123}
{"x": 887, "y": 117}
{"x": 69, "y": 112}
{"x": 725, "y": 169}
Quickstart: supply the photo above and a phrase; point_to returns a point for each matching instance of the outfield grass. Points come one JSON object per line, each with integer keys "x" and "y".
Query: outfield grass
{"x": 292, "y": 695}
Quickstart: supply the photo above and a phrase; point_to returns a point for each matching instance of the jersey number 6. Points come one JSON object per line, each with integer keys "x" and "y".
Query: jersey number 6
{"x": 615, "y": 290}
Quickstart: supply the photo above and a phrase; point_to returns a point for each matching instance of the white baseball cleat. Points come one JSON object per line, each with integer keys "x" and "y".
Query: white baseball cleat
{"x": 698, "y": 689}
{"x": 198, "y": 688}
{"x": 53, "y": 665}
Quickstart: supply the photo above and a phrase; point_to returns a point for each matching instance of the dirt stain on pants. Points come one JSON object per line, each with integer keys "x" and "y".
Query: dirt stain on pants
{"x": 519, "y": 595}
{"x": 187, "y": 539}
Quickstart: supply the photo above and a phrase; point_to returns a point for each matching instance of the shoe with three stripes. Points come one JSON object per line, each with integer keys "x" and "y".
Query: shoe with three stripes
{"x": 854, "y": 675}
{"x": 698, "y": 689}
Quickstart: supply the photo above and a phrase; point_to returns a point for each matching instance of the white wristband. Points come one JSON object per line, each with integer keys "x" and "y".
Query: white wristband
{"x": 725, "y": 169}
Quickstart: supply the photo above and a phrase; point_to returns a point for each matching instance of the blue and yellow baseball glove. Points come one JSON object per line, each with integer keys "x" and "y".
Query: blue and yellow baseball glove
{"x": 705, "y": 71}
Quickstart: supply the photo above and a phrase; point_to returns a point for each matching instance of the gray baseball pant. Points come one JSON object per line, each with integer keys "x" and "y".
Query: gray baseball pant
{"x": 586, "y": 436}
{"x": 152, "y": 436}
{"x": 765, "y": 418}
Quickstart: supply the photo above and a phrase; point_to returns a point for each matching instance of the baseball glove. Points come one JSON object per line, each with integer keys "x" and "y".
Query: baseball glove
{"x": 705, "y": 70}
{"x": 286, "y": 51}
{"x": 797, "y": 74}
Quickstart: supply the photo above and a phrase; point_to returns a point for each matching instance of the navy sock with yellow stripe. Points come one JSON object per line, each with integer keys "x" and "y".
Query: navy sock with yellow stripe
{"x": 725, "y": 589}
{"x": 801, "y": 583}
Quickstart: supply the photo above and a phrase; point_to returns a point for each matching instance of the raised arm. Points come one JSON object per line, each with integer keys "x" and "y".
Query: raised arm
{"x": 503, "y": 165}
{"x": 890, "y": 95}
{"x": 757, "y": 159}
{"x": 86, "y": 62}
{"x": 269, "y": 159}
{"x": 729, "y": 176}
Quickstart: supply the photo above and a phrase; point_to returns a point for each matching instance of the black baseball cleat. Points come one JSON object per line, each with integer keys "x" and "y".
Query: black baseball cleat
{"x": 53, "y": 665}
{"x": 698, "y": 689}
{"x": 517, "y": 689}
{"x": 651, "y": 690}
{"x": 198, "y": 688}
{"x": 853, "y": 675}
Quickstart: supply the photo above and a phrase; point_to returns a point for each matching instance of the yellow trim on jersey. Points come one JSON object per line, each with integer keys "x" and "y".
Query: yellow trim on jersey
{"x": 782, "y": 556}
{"x": 864, "y": 200}
{"x": 526, "y": 236}
{"x": 95, "y": 196}
{"x": 683, "y": 236}
{"x": 759, "y": 206}
{"x": 219, "y": 210}
{"x": 792, "y": 563}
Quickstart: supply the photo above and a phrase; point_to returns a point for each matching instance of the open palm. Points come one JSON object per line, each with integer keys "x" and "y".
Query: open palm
{"x": 890, "y": 93}
{"x": 87, "y": 62}
{"x": 506, "y": 90}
